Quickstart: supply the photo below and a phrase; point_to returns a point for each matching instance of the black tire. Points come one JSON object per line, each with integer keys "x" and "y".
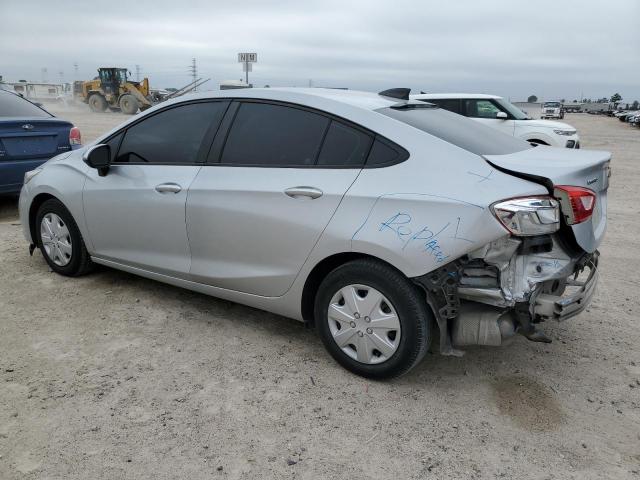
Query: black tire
{"x": 129, "y": 104}
{"x": 408, "y": 301}
{"x": 97, "y": 103}
{"x": 80, "y": 261}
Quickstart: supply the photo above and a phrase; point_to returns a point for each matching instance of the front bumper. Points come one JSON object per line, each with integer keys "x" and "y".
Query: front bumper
{"x": 23, "y": 209}
{"x": 573, "y": 300}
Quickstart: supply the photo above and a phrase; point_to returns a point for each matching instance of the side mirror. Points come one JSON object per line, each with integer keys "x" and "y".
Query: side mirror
{"x": 502, "y": 115}
{"x": 99, "y": 157}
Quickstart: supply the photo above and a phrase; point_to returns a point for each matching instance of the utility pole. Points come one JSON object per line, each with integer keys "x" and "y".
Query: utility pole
{"x": 137, "y": 73}
{"x": 61, "y": 73}
{"x": 75, "y": 71}
{"x": 44, "y": 74}
{"x": 193, "y": 70}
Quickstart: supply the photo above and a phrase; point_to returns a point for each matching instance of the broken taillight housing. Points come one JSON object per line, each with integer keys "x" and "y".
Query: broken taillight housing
{"x": 577, "y": 203}
{"x": 74, "y": 136}
{"x": 527, "y": 216}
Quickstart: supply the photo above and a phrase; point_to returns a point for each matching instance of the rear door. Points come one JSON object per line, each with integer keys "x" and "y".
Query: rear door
{"x": 484, "y": 110}
{"x": 136, "y": 213}
{"x": 258, "y": 207}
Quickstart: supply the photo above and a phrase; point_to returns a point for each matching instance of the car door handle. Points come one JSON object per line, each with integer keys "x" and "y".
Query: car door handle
{"x": 168, "y": 188}
{"x": 298, "y": 192}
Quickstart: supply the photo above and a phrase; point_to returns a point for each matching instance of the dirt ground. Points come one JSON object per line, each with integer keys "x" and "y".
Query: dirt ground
{"x": 114, "y": 376}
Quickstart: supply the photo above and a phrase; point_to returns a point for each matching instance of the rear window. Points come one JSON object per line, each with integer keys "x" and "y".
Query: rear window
{"x": 457, "y": 130}
{"x": 15, "y": 106}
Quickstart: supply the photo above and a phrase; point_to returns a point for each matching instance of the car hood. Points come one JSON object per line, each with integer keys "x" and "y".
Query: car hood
{"x": 552, "y": 166}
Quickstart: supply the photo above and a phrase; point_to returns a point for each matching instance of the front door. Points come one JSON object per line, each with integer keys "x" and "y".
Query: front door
{"x": 254, "y": 215}
{"x": 136, "y": 213}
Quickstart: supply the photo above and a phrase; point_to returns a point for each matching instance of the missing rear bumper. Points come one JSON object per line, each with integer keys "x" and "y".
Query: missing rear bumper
{"x": 576, "y": 297}
{"x": 501, "y": 289}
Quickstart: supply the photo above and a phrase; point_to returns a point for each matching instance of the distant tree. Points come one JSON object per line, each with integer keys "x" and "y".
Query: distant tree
{"x": 562, "y": 100}
{"x": 634, "y": 105}
{"x": 575, "y": 101}
{"x": 616, "y": 98}
{"x": 532, "y": 99}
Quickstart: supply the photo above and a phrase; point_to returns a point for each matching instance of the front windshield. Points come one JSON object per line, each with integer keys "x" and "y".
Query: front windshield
{"x": 552, "y": 104}
{"x": 512, "y": 109}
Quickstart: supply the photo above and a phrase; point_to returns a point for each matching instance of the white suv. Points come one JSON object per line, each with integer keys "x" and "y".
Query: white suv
{"x": 498, "y": 113}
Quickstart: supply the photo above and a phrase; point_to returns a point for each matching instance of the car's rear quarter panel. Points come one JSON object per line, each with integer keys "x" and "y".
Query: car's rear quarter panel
{"x": 438, "y": 184}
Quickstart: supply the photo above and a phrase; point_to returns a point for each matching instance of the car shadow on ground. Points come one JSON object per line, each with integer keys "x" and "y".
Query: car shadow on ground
{"x": 8, "y": 208}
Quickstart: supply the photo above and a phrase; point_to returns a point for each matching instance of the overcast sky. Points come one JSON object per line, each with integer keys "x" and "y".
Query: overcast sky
{"x": 552, "y": 48}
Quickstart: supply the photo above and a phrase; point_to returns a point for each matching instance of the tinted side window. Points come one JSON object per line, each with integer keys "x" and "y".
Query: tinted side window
{"x": 265, "y": 134}
{"x": 382, "y": 153}
{"x": 453, "y": 105}
{"x": 171, "y": 136}
{"x": 481, "y": 108}
{"x": 344, "y": 146}
{"x": 114, "y": 143}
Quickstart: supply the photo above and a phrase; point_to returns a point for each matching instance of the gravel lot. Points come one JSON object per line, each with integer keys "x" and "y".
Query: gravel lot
{"x": 114, "y": 376}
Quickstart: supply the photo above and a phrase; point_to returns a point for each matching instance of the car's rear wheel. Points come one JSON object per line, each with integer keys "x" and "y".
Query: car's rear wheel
{"x": 97, "y": 103}
{"x": 60, "y": 241}
{"x": 372, "y": 319}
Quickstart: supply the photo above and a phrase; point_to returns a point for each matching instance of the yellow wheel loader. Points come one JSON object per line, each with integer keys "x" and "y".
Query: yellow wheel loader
{"x": 112, "y": 89}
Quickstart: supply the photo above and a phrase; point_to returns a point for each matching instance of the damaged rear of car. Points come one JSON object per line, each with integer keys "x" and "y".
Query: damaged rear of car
{"x": 544, "y": 268}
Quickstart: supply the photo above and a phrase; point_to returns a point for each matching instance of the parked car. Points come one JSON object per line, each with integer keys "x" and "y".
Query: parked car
{"x": 378, "y": 219}
{"x": 552, "y": 110}
{"x": 29, "y": 136}
{"x": 498, "y": 113}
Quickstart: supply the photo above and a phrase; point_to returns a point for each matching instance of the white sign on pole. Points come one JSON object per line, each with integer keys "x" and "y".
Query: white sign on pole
{"x": 247, "y": 57}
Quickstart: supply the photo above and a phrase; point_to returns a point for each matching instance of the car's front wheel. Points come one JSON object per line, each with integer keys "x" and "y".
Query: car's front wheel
{"x": 372, "y": 319}
{"x": 60, "y": 240}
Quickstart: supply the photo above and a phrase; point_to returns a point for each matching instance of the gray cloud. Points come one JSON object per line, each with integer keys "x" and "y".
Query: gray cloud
{"x": 551, "y": 48}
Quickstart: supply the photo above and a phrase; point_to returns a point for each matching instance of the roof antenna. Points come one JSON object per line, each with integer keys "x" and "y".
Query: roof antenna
{"x": 400, "y": 93}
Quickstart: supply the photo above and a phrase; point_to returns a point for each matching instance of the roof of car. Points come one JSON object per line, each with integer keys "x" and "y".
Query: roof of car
{"x": 435, "y": 96}
{"x": 365, "y": 100}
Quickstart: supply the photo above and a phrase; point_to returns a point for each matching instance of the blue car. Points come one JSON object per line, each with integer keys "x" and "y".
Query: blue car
{"x": 29, "y": 136}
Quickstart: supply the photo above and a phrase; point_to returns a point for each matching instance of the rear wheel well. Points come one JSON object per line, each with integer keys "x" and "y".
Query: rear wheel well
{"x": 33, "y": 212}
{"x": 318, "y": 274}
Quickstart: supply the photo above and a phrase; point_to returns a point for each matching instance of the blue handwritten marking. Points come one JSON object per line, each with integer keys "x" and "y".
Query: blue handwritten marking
{"x": 399, "y": 224}
{"x": 455, "y": 235}
{"x": 483, "y": 177}
{"x": 456, "y": 200}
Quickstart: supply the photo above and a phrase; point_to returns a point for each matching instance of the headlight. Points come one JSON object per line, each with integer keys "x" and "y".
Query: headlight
{"x": 568, "y": 133}
{"x": 30, "y": 174}
{"x": 529, "y": 215}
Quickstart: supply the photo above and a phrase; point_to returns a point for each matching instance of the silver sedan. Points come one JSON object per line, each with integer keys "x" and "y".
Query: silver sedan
{"x": 382, "y": 221}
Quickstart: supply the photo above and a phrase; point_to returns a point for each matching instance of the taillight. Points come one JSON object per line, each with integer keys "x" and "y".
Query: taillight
{"x": 577, "y": 203}
{"x": 527, "y": 216}
{"x": 74, "y": 136}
